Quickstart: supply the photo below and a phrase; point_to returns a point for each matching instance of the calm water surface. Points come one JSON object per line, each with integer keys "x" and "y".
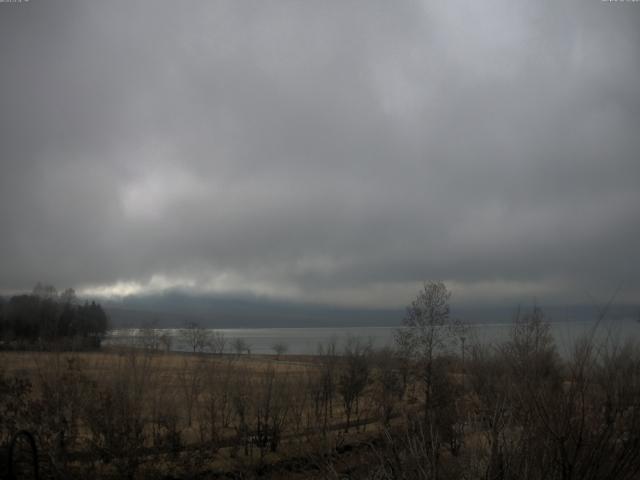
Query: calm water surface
{"x": 306, "y": 340}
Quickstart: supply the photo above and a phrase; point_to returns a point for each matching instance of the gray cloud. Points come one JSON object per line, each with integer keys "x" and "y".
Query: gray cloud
{"x": 336, "y": 152}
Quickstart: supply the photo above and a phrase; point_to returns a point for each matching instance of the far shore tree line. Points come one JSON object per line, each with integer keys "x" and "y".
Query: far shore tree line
{"x": 195, "y": 338}
{"x": 45, "y": 317}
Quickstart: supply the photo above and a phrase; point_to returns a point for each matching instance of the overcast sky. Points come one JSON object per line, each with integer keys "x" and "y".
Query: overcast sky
{"x": 327, "y": 151}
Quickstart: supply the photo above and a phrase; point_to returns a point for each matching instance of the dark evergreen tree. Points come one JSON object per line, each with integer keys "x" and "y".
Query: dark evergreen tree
{"x": 46, "y": 316}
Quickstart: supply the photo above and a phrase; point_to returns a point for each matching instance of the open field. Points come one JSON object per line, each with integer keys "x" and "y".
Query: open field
{"x": 99, "y": 362}
{"x": 222, "y": 412}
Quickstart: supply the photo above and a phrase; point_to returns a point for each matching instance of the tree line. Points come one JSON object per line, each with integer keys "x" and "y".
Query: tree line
{"x": 45, "y": 316}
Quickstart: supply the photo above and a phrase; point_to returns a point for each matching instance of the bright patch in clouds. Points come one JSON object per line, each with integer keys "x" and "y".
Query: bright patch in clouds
{"x": 157, "y": 284}
{"x": 152, "y": 195}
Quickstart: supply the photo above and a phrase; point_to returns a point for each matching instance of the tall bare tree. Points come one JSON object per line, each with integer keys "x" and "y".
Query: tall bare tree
{"x": 354, "y": 376}
{"x": 195, "y": 336}
{"x": 218, "y": 342}
{"x": 427, "y": 330}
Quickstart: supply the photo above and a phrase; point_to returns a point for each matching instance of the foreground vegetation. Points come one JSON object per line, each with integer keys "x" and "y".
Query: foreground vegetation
{"x": 439, "y": 406}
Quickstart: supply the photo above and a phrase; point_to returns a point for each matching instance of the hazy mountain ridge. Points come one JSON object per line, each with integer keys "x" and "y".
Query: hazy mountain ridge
{"x": 172, "y": 309}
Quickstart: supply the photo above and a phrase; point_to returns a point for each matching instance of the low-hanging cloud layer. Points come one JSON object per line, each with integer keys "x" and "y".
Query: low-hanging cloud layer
{"x": 333, "y": 152}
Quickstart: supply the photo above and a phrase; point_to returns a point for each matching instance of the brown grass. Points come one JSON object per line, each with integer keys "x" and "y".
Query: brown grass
{"x": 166, "y": 377}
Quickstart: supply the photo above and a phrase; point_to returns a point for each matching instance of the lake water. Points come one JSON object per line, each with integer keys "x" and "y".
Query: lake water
{"x": 306, "y": 340}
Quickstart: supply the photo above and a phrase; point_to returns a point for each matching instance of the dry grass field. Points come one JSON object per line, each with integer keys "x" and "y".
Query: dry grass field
{"x": 184, "y": 413}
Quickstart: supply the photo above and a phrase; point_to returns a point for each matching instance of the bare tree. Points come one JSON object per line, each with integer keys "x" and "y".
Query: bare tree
{"x": 149, "y": 336}
{"x": 216, "y": 407}
{"x": 218, "y": 342}
{"x": 323, "y": 395}
{"x": 280, "y": 348}
{"x": 426, "y": 331}
{"x": 190, "y": 379}
{"x": 241, "y": 400}
{"x": 195, "y": 336}
{"x": 165, "y": 341}
{"x": 389, "y": 387}
{"x": 354, "y": 377}
{"x": 240, "y": 346}
{"x": 271, "y": 406}
{"x": 115, "y": 413}
{"x": 425, "y": 334}
{"x": 68, "y": 296}
{"x": 45, "y": 291}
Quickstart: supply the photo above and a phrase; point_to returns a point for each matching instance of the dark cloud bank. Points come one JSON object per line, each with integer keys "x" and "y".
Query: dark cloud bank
{"x": 328, "y": 152}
